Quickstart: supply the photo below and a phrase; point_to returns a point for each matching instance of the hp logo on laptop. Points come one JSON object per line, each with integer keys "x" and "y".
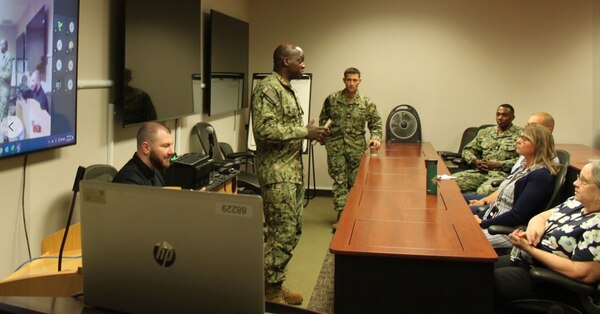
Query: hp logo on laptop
{"x": 164, "y": 254}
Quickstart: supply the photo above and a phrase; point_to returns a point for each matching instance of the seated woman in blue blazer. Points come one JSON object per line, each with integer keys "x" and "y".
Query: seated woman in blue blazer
{"x": 525, "y": 192}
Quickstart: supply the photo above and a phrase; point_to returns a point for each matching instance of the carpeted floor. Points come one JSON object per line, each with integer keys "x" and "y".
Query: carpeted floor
{"x": 321, "y": 299}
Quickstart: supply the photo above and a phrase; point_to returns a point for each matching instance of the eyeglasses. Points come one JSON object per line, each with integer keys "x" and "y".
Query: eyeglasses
{"x": 524, "y": 138}
{"x": 582, "y": 181}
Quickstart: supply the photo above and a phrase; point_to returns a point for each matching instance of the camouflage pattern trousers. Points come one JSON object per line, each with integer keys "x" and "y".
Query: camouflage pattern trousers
{"x": 342, "y": 169}
{"x": 4, "y": 101}
{"x": 480, "y": 182}
{"x": 283, "y": 204}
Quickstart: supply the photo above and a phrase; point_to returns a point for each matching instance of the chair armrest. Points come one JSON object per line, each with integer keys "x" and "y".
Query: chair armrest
{"x": 446, "y": 154}
{"x": 544, "y": 274}
{"x": 237, "y": 155}
{"x": 459, "y": 161}
{"x": 497, "y": 229}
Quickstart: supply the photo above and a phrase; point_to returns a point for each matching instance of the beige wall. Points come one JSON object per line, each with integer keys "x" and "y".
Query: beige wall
{"x": 455, "y": 61}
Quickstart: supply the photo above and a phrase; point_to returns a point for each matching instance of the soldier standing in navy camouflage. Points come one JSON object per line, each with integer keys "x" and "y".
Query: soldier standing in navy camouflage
{"x": 278, "y": 131}
{"x": 349, "y": 112}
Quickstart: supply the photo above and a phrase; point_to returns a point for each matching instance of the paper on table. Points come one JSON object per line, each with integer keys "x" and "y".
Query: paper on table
{"x": 445, "y": 177}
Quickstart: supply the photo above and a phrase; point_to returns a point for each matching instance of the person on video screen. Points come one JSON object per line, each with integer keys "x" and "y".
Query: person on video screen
{"x": 5, "y": 77}
{"x": 36, "y": 91}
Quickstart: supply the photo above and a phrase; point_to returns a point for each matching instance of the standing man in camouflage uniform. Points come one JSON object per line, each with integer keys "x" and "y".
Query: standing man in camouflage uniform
{"x": 349, "y": 111}
{"x": 5, "y": 77}
{"x": 492, "y": 153}
{"x": 278, "y": 130}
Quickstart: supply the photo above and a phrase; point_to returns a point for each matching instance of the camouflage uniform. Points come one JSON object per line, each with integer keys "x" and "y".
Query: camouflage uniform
{"x": 278, "y": 131}
{"x": 346, "y": 142}
{"x": 489, "y": 145}
{"x": 5, "y": 77}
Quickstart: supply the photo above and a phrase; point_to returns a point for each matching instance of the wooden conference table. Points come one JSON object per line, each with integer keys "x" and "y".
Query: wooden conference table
{"x": 580, "y": 155}
{"x": 398, "y": 249}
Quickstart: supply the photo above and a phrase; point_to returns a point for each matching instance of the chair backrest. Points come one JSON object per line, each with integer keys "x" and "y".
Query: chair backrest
{"x": 485, "y": 126}
{"x": 564, "y": 158}
{"x": 245, "y": 179}
{"x": 246, "y": 158}
{"x": 467, "y": 136}
{"x": 203, "y": 136}
{"x": 100, "y": 172}
{"x": 403, "y": 125}
{"x": 226, "y": 149}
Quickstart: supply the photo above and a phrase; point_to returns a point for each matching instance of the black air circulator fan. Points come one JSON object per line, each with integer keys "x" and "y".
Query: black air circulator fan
{"x": 403, "y": 125}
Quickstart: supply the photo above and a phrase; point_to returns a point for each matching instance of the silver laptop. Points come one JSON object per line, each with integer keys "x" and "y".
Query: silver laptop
{"x": 152, "y": 250}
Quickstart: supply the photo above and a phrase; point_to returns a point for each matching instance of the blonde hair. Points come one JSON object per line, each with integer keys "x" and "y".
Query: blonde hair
{"x": 543, "y": 143}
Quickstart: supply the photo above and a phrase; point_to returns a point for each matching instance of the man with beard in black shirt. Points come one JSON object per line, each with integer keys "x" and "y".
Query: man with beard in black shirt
{"x": 152, "y": 158}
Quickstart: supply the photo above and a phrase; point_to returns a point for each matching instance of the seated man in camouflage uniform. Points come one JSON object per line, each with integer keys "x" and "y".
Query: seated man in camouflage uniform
{"x": 492, "y": 153}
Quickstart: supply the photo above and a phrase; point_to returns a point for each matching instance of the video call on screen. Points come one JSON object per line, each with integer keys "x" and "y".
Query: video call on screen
{"x": 38, "y": 82}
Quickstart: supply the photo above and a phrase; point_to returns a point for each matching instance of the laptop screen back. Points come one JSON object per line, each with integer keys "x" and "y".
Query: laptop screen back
{"x": 147, "y": 249}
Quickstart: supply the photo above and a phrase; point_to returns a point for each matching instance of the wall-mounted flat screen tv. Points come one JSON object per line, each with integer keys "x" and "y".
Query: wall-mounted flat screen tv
{"x": 38, "y": 75}
{"x": 226, "y": 64}
{"x": 162, "y": 70}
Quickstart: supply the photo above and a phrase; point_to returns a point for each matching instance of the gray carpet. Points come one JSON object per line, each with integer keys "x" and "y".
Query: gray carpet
{"x": 321, "y": 299}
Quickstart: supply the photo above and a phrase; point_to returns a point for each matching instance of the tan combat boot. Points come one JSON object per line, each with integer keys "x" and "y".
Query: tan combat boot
{"x": 334, "y": 226}
{"x": 273, "y": 293}
{"x": 279, "y": 294}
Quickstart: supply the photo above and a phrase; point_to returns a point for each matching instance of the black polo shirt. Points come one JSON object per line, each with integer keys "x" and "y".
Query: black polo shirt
{"x": 136, "y": 172}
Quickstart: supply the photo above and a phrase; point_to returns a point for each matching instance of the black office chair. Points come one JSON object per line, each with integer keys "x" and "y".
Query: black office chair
{"x": 453, "y": 160}
{"x": 246, "y": 158}
{"x": 588, "y": 295}
{"x": 403, "y": 125}
{"x": 207, "y": 135}
{"x": 100, "y": 172}
{"x": 564, "y": 158}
